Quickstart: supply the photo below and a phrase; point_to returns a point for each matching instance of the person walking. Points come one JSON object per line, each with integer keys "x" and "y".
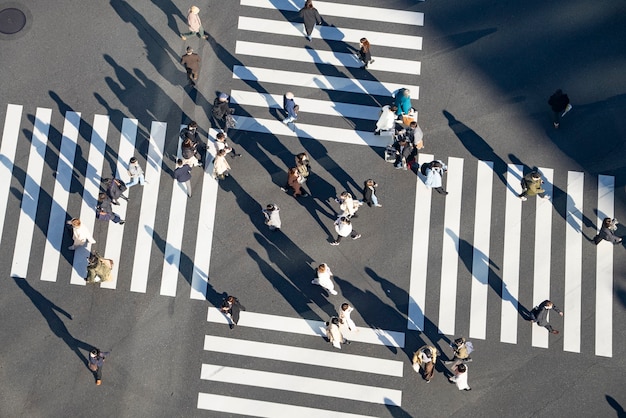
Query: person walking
{"x": 222, "y": 113}
{"x": 115, "y": 190}
{"x": 609, "y": 226}
{"x": 104, "y": 210}
{"x": 290, "y": 107}
{"x": 559, "y": 102}
{"x": 403, "y": 102}
{"x": 343, "y": 227}
{"x": 189, "y": 153}
{"x": 333, "y": 333}
{"x": 194, "y": 23}
{"x": 531, "y": 186}
{"x": 136, "y": 173}
{"x": 310, "y": 16}
{"x": 220, "y": 166}
{"x": 98, "y": 268}
{"x": 539, "y": 314}
{"x": 80, "y": 234}
{"x": 404, "y": 150}
{"x": 348, "y": 205}
{"x": 369, "y": 193}
{"x": 232, "y": 308}
{"x": 415, "y": 135}
{"x": 434, "y": 175}
{"x": 221, "y": 144}
{"x": 344, "y": 317}
{"x": 303, "y": 165}
{"x": 295, "y": 182}
{"x": 425, "y": 359}
{"x": 460, "y": 377}
{"x": 323, "y": 279}
{"x": 191, "y": 62}
{"x": 272, "y": 217}
{"x": 182, "y": 174}
{"x": 365, "y": 53}
{"x": 96, "y": 362}
{"x": 387, "y": 119}
{"x": 190, "y": 132}
{"x": 462, "y": 350}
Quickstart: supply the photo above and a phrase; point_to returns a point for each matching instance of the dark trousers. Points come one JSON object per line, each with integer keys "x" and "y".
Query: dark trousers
{"x": 352, "y": 235}
{"x": 98, "y": 373}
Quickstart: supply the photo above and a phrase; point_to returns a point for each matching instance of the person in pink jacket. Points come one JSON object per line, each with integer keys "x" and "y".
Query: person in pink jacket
{"x": 195, "y": 25}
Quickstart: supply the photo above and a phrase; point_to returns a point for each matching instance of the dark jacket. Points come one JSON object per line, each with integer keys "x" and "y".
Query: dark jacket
{"x": 188, "y": 150}
{"x": 99, "y": 359}
{"x": 558, "y": 101}
{"x": 540, "y": 313}
{"x": 403, "y": 152}
{"x": 116, "y": 188}
{"x": 191, "y": 134}
{"x": 608, "y": 235}
{"x": 183, "y": 174}
{"x": 365, "y": 55}
{"x": 310, "y": 18}
{"x": 191, "y": 62}
{"x": 367, "y": 195}
{"x": 290, "y": 107}
{"x": 220, "y": 109}
{"x": 105, "y": 206}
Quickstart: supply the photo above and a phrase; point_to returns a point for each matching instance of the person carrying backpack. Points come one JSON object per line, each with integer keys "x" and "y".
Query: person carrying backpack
{"x": 462, "y": 350}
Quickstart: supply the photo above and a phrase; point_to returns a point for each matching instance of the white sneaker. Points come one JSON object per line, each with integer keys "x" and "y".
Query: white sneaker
{"x": 333, "y": 292}
{"x": 378, "y": 205}
{"x": 523, "y": 198}
{"x": 547, "y": 197}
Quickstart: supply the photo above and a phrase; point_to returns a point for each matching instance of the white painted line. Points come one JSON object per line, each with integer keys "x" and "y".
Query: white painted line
{"x": 450, "y": 250}
{"x": 115, "y": 236}
{"x": 543, "y": 250}
{"x": 321, "y": 107}
{"x": 303, "y": 130}
{"x": 317, "y": 57}
{"x": 419, "y": 252}
{"x": 301, "y": 384}
{"x": 264, "y": 409}
{"x": 332, "y": 359}
{"x": 91, "y": 189}
{"x": 307, "y": 327}
{"x": 10, "y": 134}
{"x": 480, "y": 258}
{"x": 573, "y": 263}
{"x": 317, "y": 82}
{"x": 149, "y": 201}
{"x": 604, "y": 271}
{"x": 342, "y": 10}
{"x": 333, "y": 33}
{"x": 511, "y": 257}
{"x": 30, "y": 198}
{"x": 205, "y": 228}
{"x": 60, "y": 197}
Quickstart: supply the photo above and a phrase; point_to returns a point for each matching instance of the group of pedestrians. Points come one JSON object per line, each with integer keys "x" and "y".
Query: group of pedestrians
{"x": 425, "y": 362}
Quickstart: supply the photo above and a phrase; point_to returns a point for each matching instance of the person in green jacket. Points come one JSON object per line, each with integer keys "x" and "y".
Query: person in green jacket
{"x": 531, "y": 185}
{"x": 98, "y": 269}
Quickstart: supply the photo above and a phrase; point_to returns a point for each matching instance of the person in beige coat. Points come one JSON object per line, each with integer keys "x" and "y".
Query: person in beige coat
{"x": 220, "y": 165}
{"x": 80, "y": 234}
{"x": 194, "y": 23}
{"x": 335, "y": 337}
{"x": 425, "y": 358}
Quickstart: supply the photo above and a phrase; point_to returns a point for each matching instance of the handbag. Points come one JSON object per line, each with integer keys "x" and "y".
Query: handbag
{"x": 230, "y": 122}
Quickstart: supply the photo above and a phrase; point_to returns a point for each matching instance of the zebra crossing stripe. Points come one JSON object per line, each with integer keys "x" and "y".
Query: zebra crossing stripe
{"x": 573, "y": 267}
{"x": 604, "y": 272}
{"x": 321, "y": 107}
{"x": 419, "y": 253}
{"x": 332, "y": 33}
{"x": 317, "y": 82}
{"x": 543, "y": 250}
{"x": 147, "y": 214}
{"x": 317, "y": 57}
{"x": 343, "y": 10}
{"x": 264, "y": 409}
{"x": 30, "y": 198}
{"x": 332, "y": 359}
{"x": 301, "y": 384}
{"x": 60, "y": 197}
{"x": 307, "y": 327}
{"x": 481, "y": 263}
{"x": 10, "y": 134}
{"x": 115, "y": 235}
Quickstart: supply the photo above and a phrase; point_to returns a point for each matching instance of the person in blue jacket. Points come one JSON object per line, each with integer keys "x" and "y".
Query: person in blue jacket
{"x": 290, "y": 107}
{"x": 403, "y": 101}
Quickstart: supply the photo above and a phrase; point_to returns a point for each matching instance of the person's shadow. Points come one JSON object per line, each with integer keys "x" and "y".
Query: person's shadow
{"x": 51, "y": 312}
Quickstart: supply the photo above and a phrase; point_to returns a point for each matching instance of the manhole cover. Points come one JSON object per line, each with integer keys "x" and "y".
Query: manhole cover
{"x": 12, "y": 20}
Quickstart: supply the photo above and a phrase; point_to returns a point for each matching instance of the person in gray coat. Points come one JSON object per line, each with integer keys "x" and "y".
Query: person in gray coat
{"x": 609, "y": 226}
{"x": 539, "y": 314}
{"x": 311, "y": 17}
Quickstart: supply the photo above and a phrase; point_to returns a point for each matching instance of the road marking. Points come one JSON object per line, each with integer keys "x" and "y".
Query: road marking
{"x": 60, "y": 198}
{"x": 333, "y": 359}
{"x": 264, "y": 409}
{"x": 7, "y": 156}
{"x": 307, "y": 327}
{"x": 604, "y": 271}
{"x": 301, "y": 384}
{"x": 30, "y": 197}
{"x": 320, "y": 57}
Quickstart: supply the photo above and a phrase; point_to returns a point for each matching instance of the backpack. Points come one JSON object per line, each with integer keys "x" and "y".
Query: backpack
{"x": 425, "y": 167}
{"x": 469, "y": 346}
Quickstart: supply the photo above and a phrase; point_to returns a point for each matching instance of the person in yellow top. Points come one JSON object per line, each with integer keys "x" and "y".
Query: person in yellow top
{"x": 424, "y": 360}
{"x": 531, "y": 185}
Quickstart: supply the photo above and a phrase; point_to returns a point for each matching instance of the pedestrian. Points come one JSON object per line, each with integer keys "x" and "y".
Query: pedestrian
{"x": 290, "y": 107}
{"x": 434, "y": 175}
{"x": 415, "y": 135}
{"x": 609, "y": 226}
{"x": 98, "y": 268}
{"x": 310, "y": 17}
{"x": 333, "y": 333}
{"x": 348, "y": 205}
{"x": 136, "y": 173}
{"x": 403, "y": 102}
{"x": 343, "y": 227}
{"x": 539, "y": 314}
{"x": 104, "y": 210}
{"x": 272, "y": 217}
{"x": 220, "y": 166}
{"x": 232, "y": 308}
{"x": 387, "y": 119}
{"x": 404, "y": 150}
{"x": 80, "y": 234}
{"x": 424, "y": 361}
{"x": 221, "y": 144}
{"x": 115, "y": 190}
{"x": 365, "y": 52}
{"x": 460, "y": 377}
{"x": 190, "y": 132}
{"x": 182, "y": 174}
{"x": 96, "y": 361}
{"x": 194, "y": 23}
{"x": 531, "y": 186}
{"x": 345, "y": 319}
{"x": 369, "y": 193}
{"x": 462, "y": 350}
{"x": 303, "y": 165}
{"x": 323, "y": 278}
{"x": 222, "y": 113}
{"x": 191, "y": 62}
{"x": 295, "y": 182}
{"x": 559, "y": 102}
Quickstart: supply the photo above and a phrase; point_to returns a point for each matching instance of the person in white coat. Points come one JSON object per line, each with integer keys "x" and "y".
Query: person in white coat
{"x": 333, "y": 333}
{"x": 272, "y": 216}
{"x": 460, "y": 377}
{"x": 80, "y": 234}
{"x": 324, "y": 278}
{"x": 387, "y": 119}
{"x": 343, "y": 226}
{"x": 348, "y": 205}
{"x": 434, "y": 175}
{"x": 344, "y": 317}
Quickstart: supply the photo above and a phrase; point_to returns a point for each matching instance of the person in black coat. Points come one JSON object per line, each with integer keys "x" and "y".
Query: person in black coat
{"x": 104, "y": 210}
{"x": 232, "y": 307}
{"x": 311, "y": 17}
{"x": 539, "y": 314}
{"x": 369, "y": 193}
{"x": 609, "y": 226}
{"x": 403, "y": 152}
{"x": 115, "y": 189}
{"x": 365, "y": 53}
{"x": 221, "y": 112}
{"x": 96, "y": 361}
{"x": 559, "y": 102}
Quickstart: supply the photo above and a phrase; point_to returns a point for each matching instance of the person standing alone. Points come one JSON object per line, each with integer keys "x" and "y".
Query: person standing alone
{"x": 311, "y": 17}
{"x": 194, "y": 23}
{"x": 539, "y": 314}
{"x": 365, "y": 53}
{"x": 96, "y": 361}
{"x": 80, "y": 234}
{"x": 191, "y": 62}
{"x": 559, "y": 102}
{"x": 183, "y": 175}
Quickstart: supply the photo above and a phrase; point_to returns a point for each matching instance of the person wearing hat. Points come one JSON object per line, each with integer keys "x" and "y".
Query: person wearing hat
{"x": 221, "y": 112}
{"x": 290, "y": 107}
{"x": 191, "y": 62}
{"x": 96, "y": 361}
{"x": 194, "y": 23}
